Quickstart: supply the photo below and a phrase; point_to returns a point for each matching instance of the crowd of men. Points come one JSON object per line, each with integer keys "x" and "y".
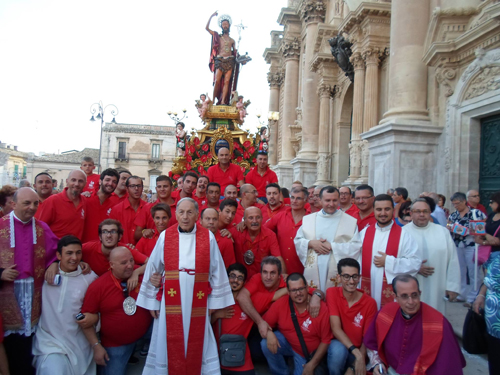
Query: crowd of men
{"x": 315, "y": 279}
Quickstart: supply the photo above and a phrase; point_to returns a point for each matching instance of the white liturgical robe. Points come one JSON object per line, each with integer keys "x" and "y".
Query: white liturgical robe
{"x": 340, "y": 230}
{"x": 58, "y": 332}
{"x": 408, "y": 260}
{"x": 438, "y": 248}
{"x": 221, "y": 296}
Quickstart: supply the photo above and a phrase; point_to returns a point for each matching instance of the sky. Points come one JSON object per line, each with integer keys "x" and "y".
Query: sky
{"x": 147, "y": 58}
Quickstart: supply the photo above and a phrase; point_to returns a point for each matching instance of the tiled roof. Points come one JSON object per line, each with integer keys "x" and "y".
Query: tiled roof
{"x": 72, "y": 158}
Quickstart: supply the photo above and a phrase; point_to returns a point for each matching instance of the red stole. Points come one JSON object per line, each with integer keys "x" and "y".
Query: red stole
{"x": 432, "y": 334}
{"x": 9, "y": 307}
{"x": 178, "y": 362}
{"x": 392, "y": 249}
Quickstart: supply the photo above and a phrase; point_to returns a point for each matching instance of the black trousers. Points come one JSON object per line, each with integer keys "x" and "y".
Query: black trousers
{"x": 18, "y": 350}
{"x": 493, "y": 355}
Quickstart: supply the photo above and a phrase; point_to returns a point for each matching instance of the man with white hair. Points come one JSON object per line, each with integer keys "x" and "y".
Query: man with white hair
{"x": 195, "y": 282}
{"x": 65, "y": 212}
{"x": 473, "y": 199}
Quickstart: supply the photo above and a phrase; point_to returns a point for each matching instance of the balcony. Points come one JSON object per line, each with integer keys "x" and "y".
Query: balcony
{"x": 121, "y": 157}
{"x": 156, "y": 161}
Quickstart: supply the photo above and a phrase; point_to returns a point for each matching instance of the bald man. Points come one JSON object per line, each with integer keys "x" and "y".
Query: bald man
{"x": 111, "y": 296}
{"x": 65, "y": 212}
{"x": 224, "y": 172}
{"x": 248, "y": 195}
{"x": 23, "y": 261}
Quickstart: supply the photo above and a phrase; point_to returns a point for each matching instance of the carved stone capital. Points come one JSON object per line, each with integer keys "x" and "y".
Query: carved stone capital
{"x": 275, "y": 79}
{"x": 357, "y": 61}
{"x": 290, "y": 48}
{"x": 372, "y": 56}
{"x": 445, "y": 75}
{"x": 324, "y": 90}
{"x": 336, "y": 92}
{"x": 312, "y": 11}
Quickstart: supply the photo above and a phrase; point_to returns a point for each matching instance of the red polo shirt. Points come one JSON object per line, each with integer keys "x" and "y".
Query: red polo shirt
{"x": 92, "y": 183}
{"x": 116, "y": 199}
{"x": 61, "y": 215}
{"x": 285, "y": 228}
{"x": 363, "y": 223}
{"x": 226, "y": 249}
{"x": 92, "y": 254}
{"x": 104, "y": 296}
{"x": 146, "y": 245}
{"x": 260, "y": 182}
{"x": 240, "y": 212}
{"x": 355, "y": 319}
{"x": 314, "y": 330}
{"x": 352, "y": 210}
{"x": 96, "y": 213}
{"x": 269, "y": 212}
{"x": 145, "y": 220}
{"x": 201, "y": 201}
{"x": 479, "y": 207}
{"x": 231, "y": 176}
{"x": 125, "y": 214}
{"x": 264, "y": 244}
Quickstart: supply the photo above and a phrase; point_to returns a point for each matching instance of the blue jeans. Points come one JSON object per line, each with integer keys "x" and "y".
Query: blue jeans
{"x": 338, "y": 358}
{"x": 277, "y": 362}
{"x": 118, "y": 359}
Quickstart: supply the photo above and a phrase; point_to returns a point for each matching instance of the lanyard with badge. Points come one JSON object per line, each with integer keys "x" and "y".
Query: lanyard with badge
{"x": 129, "y": 304}
{"x": 249, "y": 256}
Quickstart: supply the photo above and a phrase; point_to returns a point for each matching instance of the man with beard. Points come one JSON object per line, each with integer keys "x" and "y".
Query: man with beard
{"x": 201, "y": 190}
{"x": 387, "y": 252}
{"x": 65, "y": 212}
{"x": 363, "y": 198}
{"x": 227, "y": 211}
{"x": 222, "y": 60}
{"x": 261, "y": 176}
{"x": 286, "y": 224}
{"x": 274, "y": 206}
{"x": 210, "y": 219}
{"x": 325, "y": 238}
{"x": 213, "y": 196}
{"x": 439, "y": 274}
{"x": 345, "y": 201}
{"x": 231, "y": 192}
{"x": 161, "y": 214}
{"x": 121, "y": 192}
{"x": 99, "y": 204}
{"x": 43, "y": 187}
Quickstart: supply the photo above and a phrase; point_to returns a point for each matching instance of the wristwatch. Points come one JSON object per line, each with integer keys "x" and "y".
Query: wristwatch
{"x": 351, "y": 349}
{"x": 316, "y": 293}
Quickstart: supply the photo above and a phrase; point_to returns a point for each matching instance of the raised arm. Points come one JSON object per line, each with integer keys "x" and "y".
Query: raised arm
{"x": 208, "y": 23}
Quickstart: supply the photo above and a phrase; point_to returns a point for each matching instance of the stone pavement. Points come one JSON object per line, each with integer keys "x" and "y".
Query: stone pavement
{"x": 455, "y": 312}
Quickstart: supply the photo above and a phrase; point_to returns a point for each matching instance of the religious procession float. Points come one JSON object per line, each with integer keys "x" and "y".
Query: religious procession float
{"x": 222, "y": 121}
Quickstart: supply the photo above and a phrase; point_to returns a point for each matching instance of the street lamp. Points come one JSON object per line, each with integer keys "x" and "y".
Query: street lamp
{"x": 173, "y": 116}
{"x": 100, "y": 109}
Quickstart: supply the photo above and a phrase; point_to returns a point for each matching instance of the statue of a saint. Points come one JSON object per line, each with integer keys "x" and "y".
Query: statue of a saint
{"x": 180, "y": 134}
{"x": 223, "y": 60}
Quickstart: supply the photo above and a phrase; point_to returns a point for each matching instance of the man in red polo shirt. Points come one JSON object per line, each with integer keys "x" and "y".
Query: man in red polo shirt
{"x": 351, "y": 313}
{"x": 99, "y": 204}
{"x": 145, "y": 226}
{"x": 255, "y": 242}
{"x": 274, "y": 206}
{"x": 363, "y": 198}
{"x": 231, "y": 192}
{"x": 110, "y": 296}
{"x": 286, "y": 224}
{"x": 96, "y": 253}
{"x": 210, "y": 219}
{"x": 161, "y": 214}
{"x": 248, "y": 199}
{"x": 43, "y": 187}
{"x": 345, "y": 201}
{"x": 261, "y": 176}
{"x": 227, "y": 210}
{"x": 201, "y": 190}
{"x": 284, "y": 341}
{"x": 127, "y": 211}
{"x": 65, "y": 212}
{"x": 121, "y": 193}
{"x": 224, "y": 172}
{"x": 213, "y": 196}
{"x": 473, "y": 201}
{"x": 189, "y": 181}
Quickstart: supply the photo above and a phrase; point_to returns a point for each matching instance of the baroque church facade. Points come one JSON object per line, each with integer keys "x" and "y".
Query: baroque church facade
{"x": 402, "y": 93}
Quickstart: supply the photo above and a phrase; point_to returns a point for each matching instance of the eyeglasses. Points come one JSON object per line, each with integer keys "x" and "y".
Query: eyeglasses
{"x": 232, "y": 276}
{"x": 418, "y": 212}
{"x": 114, "y": 231}
{"x": 134, "y": 186}
{"x": 414, "y": 296}
{"x": 347, "y": 277}
{"x": 298, "y": 290}
{"x": 474, "y": 196}
{"x": 363, "y": 198}
{"x": 292, "y": 198}
{"x": 345, "y": 193}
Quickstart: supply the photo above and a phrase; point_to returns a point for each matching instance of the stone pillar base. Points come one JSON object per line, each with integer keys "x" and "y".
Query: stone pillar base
{"x": 285, "y": 174}
{"x": 354, "y": 181}
{"x": 403, "y": 153}
{"x": 304, "y": 170}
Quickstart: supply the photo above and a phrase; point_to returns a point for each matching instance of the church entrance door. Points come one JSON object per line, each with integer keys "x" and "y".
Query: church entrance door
{"x": 489, "y": 169}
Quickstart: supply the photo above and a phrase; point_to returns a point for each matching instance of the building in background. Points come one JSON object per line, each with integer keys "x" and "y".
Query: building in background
{"x": 401, "y": 93}
{"x": 13, "y": 165}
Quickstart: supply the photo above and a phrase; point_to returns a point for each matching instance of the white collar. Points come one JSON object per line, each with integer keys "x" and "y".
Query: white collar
{"x": 322, "y": 213}
{"x": 384, "y": 229}
{"x": 12, "y": 230}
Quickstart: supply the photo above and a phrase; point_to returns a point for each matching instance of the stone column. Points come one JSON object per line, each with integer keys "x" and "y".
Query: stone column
{"x": 274, "y": 80}
{"x": 323, "y": 163}
{"x": 408, "y": 73}
{"x": 370, "y": 115}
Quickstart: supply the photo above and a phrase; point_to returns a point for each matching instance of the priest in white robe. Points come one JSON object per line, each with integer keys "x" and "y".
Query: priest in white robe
{"x": 387, "y": 252}
{"x": 59, "y": 346}
{"x": 439, "y": 274}
{"x": 220, "y": 297}
{"x": 324, "y": 238}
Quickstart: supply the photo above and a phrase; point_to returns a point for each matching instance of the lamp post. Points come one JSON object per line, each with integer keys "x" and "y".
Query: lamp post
{"x": 100, "y": 110}
{"x": 173, "y": 116}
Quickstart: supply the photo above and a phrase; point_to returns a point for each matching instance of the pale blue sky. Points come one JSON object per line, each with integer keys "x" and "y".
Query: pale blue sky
{"x": 146, "y": 57}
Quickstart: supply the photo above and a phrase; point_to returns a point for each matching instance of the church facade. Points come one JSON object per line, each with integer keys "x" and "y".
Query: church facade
{"x": 402, "y": 93}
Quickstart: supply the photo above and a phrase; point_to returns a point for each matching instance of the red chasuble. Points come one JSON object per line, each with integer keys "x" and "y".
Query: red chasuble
{"x": 178, "y": 362}
{"x": 392, "y": 249}
{"x": 432, "y": 334}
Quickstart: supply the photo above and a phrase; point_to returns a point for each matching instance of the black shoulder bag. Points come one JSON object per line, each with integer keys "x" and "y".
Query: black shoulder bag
{"x": 232, "y": 349}
{"x": 322, "y": 368}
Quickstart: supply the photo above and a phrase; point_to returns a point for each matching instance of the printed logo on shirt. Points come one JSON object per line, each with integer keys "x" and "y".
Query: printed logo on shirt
{"x": 243, "y": 316}
{"x": 203, "y": 202}
{"x": 306, "y": 324}
{"x": 83, "y": 213}
{"x": 91, "y": 185}
{"x": 109, "y": 211}
{"x": 357, "y": 320}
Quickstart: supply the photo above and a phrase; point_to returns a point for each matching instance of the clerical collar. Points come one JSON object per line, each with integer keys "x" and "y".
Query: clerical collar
{"x": 186, "y": 231}
{"x": 386, "y": 228}
{"x": 323, "y": 213}
{"x": 12, "y": 215}
{"x": 406, "y": 316}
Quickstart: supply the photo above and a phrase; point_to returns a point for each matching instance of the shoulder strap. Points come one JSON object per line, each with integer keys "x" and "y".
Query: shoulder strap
{"x": 297, "y": 330}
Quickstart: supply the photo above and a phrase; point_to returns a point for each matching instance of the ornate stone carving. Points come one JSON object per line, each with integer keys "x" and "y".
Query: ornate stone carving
{"x": 357, "y": 61}
{"x": 365, "y": 155}
{"x": 455, "y": 12}
{"x": 372, "y": 55}
{"x": 445, "y": 75}
{"x": 275, "y": 79}
{"x": 312, "y": 11}
{"x": 341, "y": 50}
{"x": 296, "y": 131}
{"x": 323, "y": 166}
{"x": 355, "y": 158}
{"x": 291, "y": 48}
{"x": 336, "y": 92}
{"x": 324, "y": 90}
{"x": 487, "y": 80}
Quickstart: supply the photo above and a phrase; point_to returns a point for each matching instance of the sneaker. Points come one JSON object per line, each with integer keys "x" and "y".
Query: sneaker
{"x": 133, "y": 360}
{"x": 145, "y": 349}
